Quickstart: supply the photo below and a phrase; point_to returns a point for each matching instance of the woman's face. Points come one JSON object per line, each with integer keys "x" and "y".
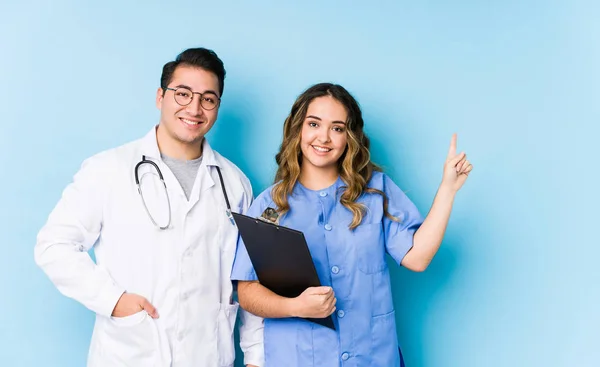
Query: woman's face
{"x": 324, "y": 134}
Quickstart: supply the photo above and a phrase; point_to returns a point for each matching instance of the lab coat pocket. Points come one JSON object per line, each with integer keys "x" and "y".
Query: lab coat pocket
{"x": 368, "y": 244}
{"x": 130, "y": 320}
{"x": 130, "y": 340}
{"x": 384, "y": 341}
{"x": 225, "y": 328}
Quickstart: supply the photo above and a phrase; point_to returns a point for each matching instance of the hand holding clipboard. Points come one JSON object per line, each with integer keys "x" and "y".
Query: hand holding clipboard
{"x": 316, "y": 303}
{"x": 283, "y": 264}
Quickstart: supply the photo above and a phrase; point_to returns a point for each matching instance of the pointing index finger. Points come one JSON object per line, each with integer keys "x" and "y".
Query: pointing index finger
{"x": 452, "y": 150}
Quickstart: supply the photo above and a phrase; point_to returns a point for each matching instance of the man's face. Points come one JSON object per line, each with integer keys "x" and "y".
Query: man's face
{"x": 187, "y": 125}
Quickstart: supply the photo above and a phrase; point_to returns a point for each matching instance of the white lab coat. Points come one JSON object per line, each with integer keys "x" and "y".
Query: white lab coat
{"x": 183, "y": 271}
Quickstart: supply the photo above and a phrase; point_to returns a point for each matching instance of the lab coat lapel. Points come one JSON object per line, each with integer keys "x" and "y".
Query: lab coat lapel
{"x": 204, "y": 178}
{"x": 151, "y": 151}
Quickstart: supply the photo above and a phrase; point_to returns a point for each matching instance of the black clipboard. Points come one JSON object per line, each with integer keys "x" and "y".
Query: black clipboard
{"x": 280, "y": 258}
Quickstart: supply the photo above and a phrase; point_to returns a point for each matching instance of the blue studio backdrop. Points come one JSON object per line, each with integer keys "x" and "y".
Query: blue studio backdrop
{"x": 515, "y": 282}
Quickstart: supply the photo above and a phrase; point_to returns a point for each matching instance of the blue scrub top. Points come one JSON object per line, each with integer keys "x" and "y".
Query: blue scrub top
{"x": 353, "y": 264}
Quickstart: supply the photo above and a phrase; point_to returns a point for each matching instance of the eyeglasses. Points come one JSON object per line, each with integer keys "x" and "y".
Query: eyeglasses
{"x": 184, "y": 96}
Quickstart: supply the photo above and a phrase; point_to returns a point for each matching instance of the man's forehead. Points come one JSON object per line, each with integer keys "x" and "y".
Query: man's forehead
{"x": 195, "y": 78}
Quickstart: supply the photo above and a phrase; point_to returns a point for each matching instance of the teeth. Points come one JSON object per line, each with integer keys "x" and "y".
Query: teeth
{"x": 320, "y": 149}
{"x": 190, "y": 122}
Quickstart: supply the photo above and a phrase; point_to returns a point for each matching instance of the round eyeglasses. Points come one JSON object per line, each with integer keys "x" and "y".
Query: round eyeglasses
{"x": 184, "y": 96}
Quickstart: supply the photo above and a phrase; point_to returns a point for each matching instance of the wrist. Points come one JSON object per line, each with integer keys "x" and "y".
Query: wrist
{"x": 447, "y": 190}
{"x": 291, "y": 307}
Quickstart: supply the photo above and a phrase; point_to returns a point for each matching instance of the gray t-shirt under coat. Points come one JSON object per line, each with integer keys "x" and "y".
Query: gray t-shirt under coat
{"x": 185, "y": 171}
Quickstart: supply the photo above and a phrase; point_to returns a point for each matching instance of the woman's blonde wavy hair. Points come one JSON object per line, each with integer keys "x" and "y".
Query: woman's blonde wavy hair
{"x": 354, "y": 166}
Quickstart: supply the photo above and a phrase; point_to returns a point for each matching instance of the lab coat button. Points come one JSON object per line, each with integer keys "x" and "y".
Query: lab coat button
{"x": 345, "y": 356}
{"x": 341, "y": 313}
{"x": 323, "y": 194}
{"x": 328, "y": 227}
{"x": 335, "y": 270}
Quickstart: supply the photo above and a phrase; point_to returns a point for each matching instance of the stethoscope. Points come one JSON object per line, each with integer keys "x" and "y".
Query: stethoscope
{"x": 160, "y": 176}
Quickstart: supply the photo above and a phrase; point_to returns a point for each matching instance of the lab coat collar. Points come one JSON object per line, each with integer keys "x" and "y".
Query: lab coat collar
{"x": 150, "y": 149}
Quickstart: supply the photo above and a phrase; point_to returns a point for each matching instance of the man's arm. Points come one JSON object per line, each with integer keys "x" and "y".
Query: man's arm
{"x": 71, "y": 230}
{"x": 251, "y": 327}
{"x": 251, "y": 338}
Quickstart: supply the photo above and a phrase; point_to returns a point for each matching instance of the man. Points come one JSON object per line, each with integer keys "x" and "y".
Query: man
{"x": 157, "y": 213}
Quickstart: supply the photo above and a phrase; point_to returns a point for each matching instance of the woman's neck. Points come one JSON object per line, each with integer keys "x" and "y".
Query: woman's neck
{"x": 317, "y": 178}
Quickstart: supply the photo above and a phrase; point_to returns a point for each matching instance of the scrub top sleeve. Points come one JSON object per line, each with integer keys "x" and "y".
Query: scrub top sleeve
{"x": 399, "y": 235}
{"x": 242, "y": 266}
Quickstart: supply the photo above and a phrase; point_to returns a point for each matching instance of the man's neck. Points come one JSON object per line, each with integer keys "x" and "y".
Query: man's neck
{"x": 175, "y": 149}
{"x": 316, "y": 178}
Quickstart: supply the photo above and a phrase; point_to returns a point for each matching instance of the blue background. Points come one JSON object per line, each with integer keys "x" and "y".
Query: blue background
{"x": 516, "y": 282}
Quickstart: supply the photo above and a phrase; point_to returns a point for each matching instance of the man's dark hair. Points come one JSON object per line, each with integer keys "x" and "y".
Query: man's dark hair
{"x": 198, "y": 57}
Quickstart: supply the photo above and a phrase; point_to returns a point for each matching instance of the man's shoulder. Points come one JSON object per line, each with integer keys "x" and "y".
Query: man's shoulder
{"x": 114, "y": 157}
{"x": 230, "y": 167}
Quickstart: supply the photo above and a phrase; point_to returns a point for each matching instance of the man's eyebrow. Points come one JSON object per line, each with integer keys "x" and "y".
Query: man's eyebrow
{"x": 211, "y": 92}
{"x": 188, "y": 87}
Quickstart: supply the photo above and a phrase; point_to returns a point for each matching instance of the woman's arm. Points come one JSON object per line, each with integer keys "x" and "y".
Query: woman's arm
{"x": 428, "y": 238}
{"x": 314, "y": 302}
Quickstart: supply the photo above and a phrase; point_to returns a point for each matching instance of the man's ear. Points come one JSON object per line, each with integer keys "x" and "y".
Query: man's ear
{"x": 159, "y": 98}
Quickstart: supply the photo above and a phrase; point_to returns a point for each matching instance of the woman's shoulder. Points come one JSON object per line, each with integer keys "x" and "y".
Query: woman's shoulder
{"x": 264, "y": 199}
{"x": 265, "y": 194}
{"x": 379, "y": 180}
{"x": 384, "y": 183}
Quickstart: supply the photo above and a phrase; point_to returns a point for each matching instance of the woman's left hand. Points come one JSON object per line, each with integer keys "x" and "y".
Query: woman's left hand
{"x": 456, "y": 168}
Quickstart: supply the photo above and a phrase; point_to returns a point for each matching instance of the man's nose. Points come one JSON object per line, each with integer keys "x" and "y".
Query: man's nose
{"x": 195, "y": 107}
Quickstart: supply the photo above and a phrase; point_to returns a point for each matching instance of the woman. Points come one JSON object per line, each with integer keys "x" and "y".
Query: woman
{"x": 351, "y": 215}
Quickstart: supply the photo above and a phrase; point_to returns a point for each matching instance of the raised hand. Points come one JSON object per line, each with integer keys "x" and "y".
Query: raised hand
{"x": 456, "y": 168}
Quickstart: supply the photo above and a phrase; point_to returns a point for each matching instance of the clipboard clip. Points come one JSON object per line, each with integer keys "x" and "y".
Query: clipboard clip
{"x": 270, "y": 215}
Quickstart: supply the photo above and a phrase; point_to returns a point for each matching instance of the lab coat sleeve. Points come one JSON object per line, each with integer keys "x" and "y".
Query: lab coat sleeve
{"x": 251, "y": 338}
{"x": 70, "y": 231}
{"x": 399, "y": 235}
{"x": 251, "y": 326}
